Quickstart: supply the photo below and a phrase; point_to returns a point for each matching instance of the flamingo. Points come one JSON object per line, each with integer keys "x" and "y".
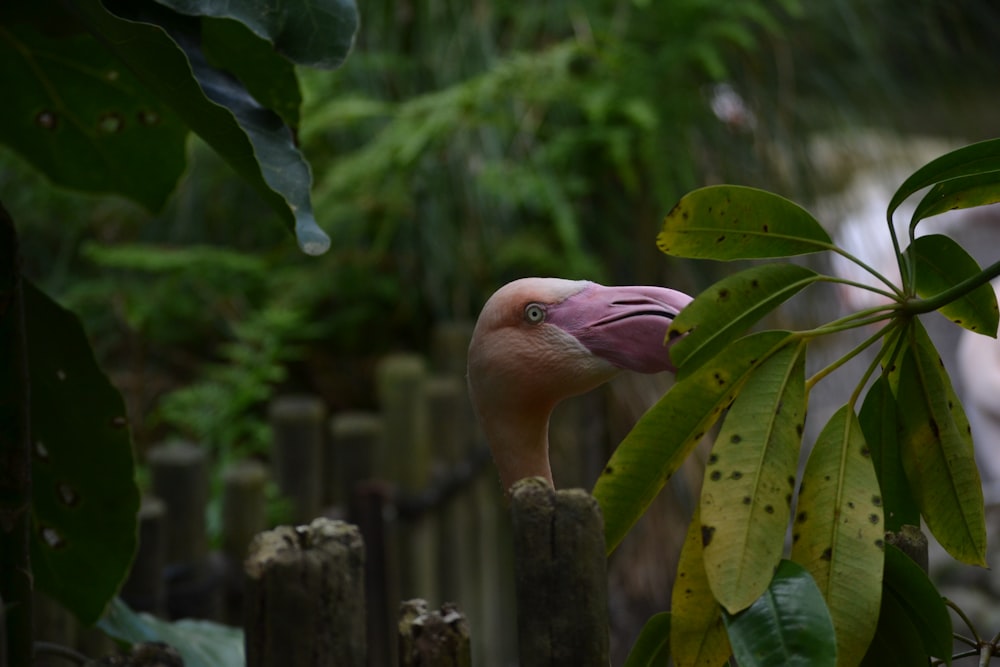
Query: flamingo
{"x": 540, "y": 340}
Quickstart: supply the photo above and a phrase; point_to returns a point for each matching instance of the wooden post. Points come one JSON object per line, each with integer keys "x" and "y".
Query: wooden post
{"x": 432, "y": 638}
{"x": 305, "y": 598}
{"x": 355, "y": 440}
{"x": 244, "y": 514}
{"x": 371, "y": 511}
{"x": 298, "y": 447}
{"x": 561, "y": 578}
{"x": 407, "y": 463}
{"x": 144, "y": 589}
{"x": 179, "y": 472}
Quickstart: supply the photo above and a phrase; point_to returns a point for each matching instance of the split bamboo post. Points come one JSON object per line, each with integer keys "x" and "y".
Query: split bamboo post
{"x": 432, "y": 638}
{"x": 298, "y": 422}
{"x": 561, "y": 577}
{"x": 305, "y": 598}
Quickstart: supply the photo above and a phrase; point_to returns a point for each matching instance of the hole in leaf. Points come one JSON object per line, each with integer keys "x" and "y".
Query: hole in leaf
{"x": 52, "y": 538}
{"x": 41, "y": 451}
{"x": 148, "y": 118}
{"x": 110, "y": 123}
{"x": 47, "y": 120}
{"x": 68, "y": 495}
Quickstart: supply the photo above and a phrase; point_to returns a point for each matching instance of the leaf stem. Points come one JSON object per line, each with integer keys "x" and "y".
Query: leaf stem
{"x": 868, "y": 342}
{"x": 892, "y": 296}
{"x": 899, "y": 294}
{"x": 918, "y": 306}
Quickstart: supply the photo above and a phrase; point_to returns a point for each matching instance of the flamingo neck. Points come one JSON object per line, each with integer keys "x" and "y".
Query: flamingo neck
{"x": 519, "y": 441}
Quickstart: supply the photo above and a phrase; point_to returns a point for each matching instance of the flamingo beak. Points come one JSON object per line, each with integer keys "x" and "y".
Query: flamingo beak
{"x": 626, "y": 326}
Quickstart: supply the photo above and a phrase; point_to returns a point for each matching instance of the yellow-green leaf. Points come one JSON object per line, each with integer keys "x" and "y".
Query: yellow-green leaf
{"x": 838, "y": 533}
{"x": 963, "y": 192}
{"x": 723, "y": 312}
{"x": 937, "y": 452}
{"x": 940, "y": 264}
{"x": 746, "y": 497}
{"x": 697, "y": 633}
{"x": 736, "y": 222}
{"x": 665, "y": 435}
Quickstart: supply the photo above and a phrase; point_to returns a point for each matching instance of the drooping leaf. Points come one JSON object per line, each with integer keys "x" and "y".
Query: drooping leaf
{"x": 897, "y": 642}
{"x": 318, "y": 33}
{"x": 746, "y": 497}
{"x": 697, "y": 634}
{"x": 978, "y": 158}
{"x": 81, "y": 117}
{"x": 788, "y": 625}
{"x": 200, "y": 643}
{"x": 723, "y": 312}
{"x": 958, "y": 193}
{"x": 937, "y": 452}
{"x": 880, "y": 425}
{"x": 84, "y": 498}
{"x": 163, "y": 49}
{"x": 735, "y": 222}
{"x": 839, "y": 532}
{"x": 665, "y": 435}
{"x": 920, "y": 601}
{"x": 942, "y": 263}
{"x": 652, "y": 646}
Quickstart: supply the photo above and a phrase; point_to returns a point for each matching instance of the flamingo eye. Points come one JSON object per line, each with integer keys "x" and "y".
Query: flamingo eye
{"x": 534, "y": 313}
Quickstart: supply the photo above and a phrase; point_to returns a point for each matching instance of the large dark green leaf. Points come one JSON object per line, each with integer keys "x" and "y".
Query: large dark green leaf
{"x": 163, "y": 50}
{"x": 917, "y": 597}
{"x": 735, "y": 222}
{"x": 788, "y": 625}
{"x": 723, "y": 312}
{"x": 652, "y": 646}
{"x": 319, "y": 33}
{"x": 897, "y": 642}
{"x": 665, "y": 435}
{"x": 746, "y": 498}
{"x": 942, "y": 263}
{"x": 937, "y": 452}
{"x": 839, "y": 532}
{"x": 200, "y": 643}
{"x": 84, "y": 493}
{"x": 880, "y": 425}
{"x": 979, "y": 158}
{"x": 83, "y": 118}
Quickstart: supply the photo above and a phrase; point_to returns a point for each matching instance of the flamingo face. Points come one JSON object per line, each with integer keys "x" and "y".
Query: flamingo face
{"x": 540, "y": 340}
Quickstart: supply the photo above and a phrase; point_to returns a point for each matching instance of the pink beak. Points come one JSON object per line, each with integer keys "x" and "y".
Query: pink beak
{"x": 624, "y": 325}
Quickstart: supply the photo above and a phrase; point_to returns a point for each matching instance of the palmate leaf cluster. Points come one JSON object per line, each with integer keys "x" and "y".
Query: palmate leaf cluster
{"x": 898, "y": 451}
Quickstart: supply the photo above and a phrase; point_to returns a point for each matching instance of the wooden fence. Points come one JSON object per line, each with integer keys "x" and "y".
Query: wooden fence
{"x": 411, "y": 511}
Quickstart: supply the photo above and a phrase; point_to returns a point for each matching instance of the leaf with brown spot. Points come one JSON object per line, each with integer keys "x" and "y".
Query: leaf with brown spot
{"x": 697, "y": 634}
{"x": 736, "y": 222}
{"x": 666, "y": 434}
{"x": 836, "y": 538}
{"x": 723, "y": 312}
{"x": 750, "y": 536}
{"x": 937, "y": 452}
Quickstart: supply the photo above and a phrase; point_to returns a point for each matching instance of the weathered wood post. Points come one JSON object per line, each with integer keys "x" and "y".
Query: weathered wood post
{"x": 407, "y": 462}
{"x": 305, "y": 597}
{"x": 561, "y": 577}
{"x": 244, "y": 514}
{"x": 144, "y": 589}
{"x": 298, "y": 423}
{"x": 355, "y": 441}
{"x": 179, "y": 472}
{"x": 432, "y": 638}
{"x": 371, "y": 510}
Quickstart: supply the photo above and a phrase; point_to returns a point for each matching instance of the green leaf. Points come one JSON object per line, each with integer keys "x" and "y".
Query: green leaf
{"x": 920, "y": 601}
{"x": 697, "y": 634}
{"x": 839, "y": 532}
{"x": 665, "y": 435}
{"x": 200, "y": 643}
{"x": 979, "y": 158}
{"x": 746, "y": 497}
{"x": 958, "y": 193}
{"x": 788, "y": 625}
{"x": 735, "y": 222}
{"x": 897, "y": 642}
{"x": 880, "y": 425}
{"x": 82, "y": 118}
{"x": 724, "y": 311}
{"x": 270, "y": 78}
{"x": 652, "y": 646}
{"x": 318, "y": 33}
{"x": 940, "y": 264}
{"x": 84, "y": 494}
{"x": 163, "y": 49}
{"x": 936, "y": 447}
